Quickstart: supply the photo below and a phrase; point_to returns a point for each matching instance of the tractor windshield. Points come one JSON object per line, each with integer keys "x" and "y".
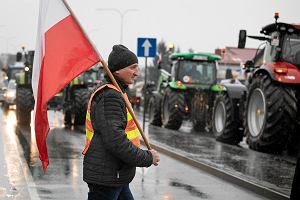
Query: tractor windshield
{"x": 14, "y": 72}
{"x": 291, "y": 49}
{"x": 197, "y": 72}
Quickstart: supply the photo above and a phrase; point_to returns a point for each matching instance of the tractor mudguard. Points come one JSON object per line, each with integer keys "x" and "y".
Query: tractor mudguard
{"x": 264, "y": 70}
{"x": 235, "y": 91}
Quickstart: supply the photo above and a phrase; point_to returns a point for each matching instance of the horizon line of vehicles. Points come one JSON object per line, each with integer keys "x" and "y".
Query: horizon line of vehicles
{"x": 265, "y": 108}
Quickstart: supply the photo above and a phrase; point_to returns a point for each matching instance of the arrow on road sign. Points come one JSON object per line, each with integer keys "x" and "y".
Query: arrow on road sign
{"x": 147, "y": 45}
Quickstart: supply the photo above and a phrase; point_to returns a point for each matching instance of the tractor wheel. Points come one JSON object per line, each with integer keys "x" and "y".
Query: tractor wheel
{"x": 24, "y": 105}
{"x": 154, "y": 110}
{"x": 199, "y": 112}
{"x": 271, "y": 114}
{"x": 172, "y": 109}
{"x": 67, "y": 118}
{"x": 81, "y": 99}
{"x": 225, "y": 126}
{"x": 294, "y": 137}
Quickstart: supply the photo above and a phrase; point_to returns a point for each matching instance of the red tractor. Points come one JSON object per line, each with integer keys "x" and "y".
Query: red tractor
{"x": 267, "y": 108}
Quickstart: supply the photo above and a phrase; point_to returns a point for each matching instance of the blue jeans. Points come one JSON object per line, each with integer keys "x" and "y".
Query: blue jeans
{"x": 99, "y": 192}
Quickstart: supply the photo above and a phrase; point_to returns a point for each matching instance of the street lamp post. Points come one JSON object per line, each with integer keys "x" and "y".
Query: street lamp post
{"x": 122, "y": 15}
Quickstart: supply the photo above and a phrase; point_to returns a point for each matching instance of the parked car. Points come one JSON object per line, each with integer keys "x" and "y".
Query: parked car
{"x": 3, "y": 88}
{"x": 10, "y": 94}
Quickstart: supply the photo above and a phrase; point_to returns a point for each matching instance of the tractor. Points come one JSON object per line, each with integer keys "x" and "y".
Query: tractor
{"x": 185, "y": 92}
{"x": 267, "y": 108}
{"x": 24, "y": 94}
{"x": 76, "y": 96}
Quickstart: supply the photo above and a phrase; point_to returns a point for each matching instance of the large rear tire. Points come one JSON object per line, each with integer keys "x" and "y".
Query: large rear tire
{"x": 294, "y": 137}
{"x": 81, "y": 99}
{"x": 271, "y": 114}
{"x": 172, "y": 109}
{"x": 225, "y": 125}
{"x": 154, "y": 110}
{"x": 24, "y": 105}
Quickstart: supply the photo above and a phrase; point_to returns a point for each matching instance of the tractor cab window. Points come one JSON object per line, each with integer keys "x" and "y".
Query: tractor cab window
{"x": 291, "y": 49}
{"x": 271, "y": 49}
{"x": 197, "y": 72}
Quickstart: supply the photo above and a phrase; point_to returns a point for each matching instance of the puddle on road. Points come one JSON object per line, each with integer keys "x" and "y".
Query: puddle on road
{"x": 191, "y": 189}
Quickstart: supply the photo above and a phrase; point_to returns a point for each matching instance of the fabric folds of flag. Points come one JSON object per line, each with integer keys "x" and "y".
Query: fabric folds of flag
{"x": 62, "y": 53}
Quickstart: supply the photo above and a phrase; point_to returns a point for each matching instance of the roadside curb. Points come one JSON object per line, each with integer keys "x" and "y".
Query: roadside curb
{"x": 31, "y": 186}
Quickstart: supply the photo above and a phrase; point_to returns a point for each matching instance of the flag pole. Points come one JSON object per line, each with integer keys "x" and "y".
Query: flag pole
{"x": 112, "y": 78}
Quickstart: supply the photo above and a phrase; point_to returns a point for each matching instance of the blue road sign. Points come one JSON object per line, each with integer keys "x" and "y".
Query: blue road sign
{"x": 146, "y": 47}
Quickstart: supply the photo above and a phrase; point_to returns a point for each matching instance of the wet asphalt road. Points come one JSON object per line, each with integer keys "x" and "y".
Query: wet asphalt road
{"x": 171, "y": 180}
{"x": 271, "y": 171}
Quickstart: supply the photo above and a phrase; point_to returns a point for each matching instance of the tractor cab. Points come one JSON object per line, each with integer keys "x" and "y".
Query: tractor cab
{"x": 280, "y": 54}
{"x": 194, "y": 69}
{"x": 282, "y": 43}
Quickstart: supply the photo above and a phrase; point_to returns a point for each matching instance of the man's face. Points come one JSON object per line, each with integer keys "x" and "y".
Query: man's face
{"x": 129, "y": 74}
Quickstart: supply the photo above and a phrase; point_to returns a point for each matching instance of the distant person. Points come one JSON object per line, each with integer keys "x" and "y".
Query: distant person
{"x": 228, "y": 74}
{"x": 233, "y": 80}
{"x": 194, "y": 74}
{"x": 112, "y": 150}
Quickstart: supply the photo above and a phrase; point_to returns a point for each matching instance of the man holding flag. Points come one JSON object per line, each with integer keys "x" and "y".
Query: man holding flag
{"x": 112, "y": 147}
{"x": 63, "y": 51}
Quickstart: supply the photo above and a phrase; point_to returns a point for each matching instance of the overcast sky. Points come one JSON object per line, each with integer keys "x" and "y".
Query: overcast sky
{"x": 202, "y": 25}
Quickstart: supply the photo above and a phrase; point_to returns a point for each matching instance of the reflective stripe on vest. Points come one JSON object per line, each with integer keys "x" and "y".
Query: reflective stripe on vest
{"x": 131, "y": 129}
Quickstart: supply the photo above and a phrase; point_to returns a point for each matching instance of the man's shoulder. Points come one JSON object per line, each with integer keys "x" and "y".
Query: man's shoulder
{"x": 105, "y": 93}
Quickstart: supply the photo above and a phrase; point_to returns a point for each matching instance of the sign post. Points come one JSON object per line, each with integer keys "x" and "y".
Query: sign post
{"x": 146, "y": 48}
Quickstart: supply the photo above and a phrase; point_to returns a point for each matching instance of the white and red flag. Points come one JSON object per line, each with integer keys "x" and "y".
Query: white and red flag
{"x": 62, "y": 52}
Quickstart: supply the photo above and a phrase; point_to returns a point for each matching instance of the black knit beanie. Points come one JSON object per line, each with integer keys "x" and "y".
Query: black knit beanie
{"x": 120, "y": 57}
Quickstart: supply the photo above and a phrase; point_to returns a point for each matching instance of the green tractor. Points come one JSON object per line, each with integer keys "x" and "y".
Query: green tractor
{"x": 185, "y": 92}
{"x": 76, "y": 96}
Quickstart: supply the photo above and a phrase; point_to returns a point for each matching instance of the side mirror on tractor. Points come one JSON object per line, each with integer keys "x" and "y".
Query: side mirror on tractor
{"x": 242, "y": 39}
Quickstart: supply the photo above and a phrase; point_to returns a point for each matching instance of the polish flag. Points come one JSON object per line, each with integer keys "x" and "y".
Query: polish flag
{"x": 62, "y": 53}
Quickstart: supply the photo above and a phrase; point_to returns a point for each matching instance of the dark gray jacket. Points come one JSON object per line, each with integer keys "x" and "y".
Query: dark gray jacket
{"x": 111, "y": 158}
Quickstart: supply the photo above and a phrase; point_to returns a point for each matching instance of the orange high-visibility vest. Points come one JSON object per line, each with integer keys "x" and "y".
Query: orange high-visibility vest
{"x": 131, "y": 129}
